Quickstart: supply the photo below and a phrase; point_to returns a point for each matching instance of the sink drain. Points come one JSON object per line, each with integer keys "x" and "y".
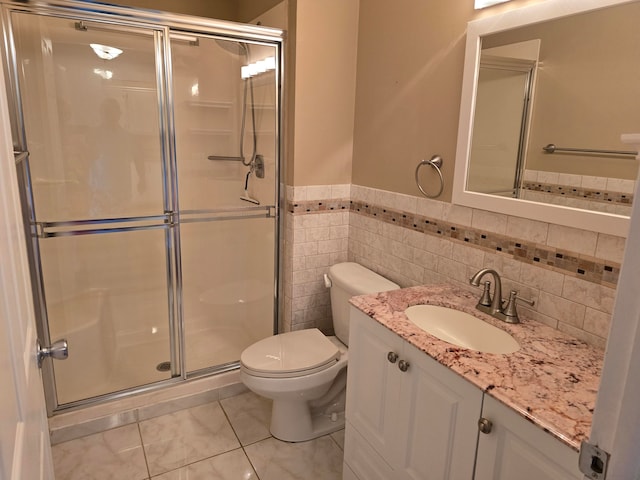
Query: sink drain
{"x": 163, "y": 366}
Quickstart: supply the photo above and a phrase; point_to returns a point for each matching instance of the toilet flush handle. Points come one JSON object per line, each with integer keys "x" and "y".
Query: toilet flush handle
{"x": 327, "y": 281}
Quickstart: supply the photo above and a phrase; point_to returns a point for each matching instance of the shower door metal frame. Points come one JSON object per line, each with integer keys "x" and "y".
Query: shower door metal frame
{"x": 162, "y": 24}
{"x": 528, "y": 69}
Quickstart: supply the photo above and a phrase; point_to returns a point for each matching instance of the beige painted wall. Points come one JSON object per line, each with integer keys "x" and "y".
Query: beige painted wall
{"x": 220, "y": 9}
{"x": 247, "y": 11}
{"x": 233, "y": 10}
{"x": 409, "y": 79}
{"x": 325, "y": 75}
{"x": 274, "y": 17}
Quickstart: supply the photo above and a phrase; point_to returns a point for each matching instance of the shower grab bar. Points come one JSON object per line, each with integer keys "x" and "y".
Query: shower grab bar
{"x": 43, "y": 228}
{"x": 218, "y": 219}
{"x": 225, "y": 158}
{"x": 267, "y": 214}
{"x": 551, "y": 148}
{"x": 93, "y": 231}
{"x": 226, "y": 210}
{"x": 102, "y": 221}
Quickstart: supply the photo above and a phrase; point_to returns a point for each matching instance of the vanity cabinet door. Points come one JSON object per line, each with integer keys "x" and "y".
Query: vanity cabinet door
{"x": 373, "y": 381}
{"x": 515, "y": 448}
{"x": 361, "y": 461}
{"x": 438, "y": 412}
{"x": 419, "y": 423}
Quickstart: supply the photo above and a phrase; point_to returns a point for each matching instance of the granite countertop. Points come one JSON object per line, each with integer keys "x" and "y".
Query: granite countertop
{"x": 552, "y": 380}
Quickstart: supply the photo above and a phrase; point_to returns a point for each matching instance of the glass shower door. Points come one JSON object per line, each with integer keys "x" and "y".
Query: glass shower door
{"x": 499, "y": 133}
{"x": 90, "y": 100}
{"x": 226, "y": 152}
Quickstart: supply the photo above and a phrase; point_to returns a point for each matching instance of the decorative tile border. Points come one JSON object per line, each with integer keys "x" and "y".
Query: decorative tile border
{"x": 564, "y": 261}
{"x": 596, "y": 195}
{"x": 318, "y": 206}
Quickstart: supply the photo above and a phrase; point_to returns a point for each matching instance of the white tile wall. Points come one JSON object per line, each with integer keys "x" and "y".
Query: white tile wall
{"x": 318, "y": 240}
{"x": 584, "y": 181}
{"x": 313, "y": 242}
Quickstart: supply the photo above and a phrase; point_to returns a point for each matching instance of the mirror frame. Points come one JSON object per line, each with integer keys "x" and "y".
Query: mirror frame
{"x": 557, "y": 214}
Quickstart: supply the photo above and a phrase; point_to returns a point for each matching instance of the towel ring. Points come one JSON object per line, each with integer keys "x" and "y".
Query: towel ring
{"x": 436, "y": 163}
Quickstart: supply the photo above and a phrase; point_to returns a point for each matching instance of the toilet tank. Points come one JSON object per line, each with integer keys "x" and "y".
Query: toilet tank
{"x": 348, "y": 280}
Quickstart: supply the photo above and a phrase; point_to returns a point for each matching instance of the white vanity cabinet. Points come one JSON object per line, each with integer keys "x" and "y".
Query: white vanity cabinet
{"x": 515, "y": 448}
{"x": 408, "y": 417}
{"x": 421, "y": 422}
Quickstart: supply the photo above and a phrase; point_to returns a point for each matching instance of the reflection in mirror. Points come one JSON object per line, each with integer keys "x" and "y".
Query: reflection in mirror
{"x": 544, "y": 75}
{"x": 505, "y": 82}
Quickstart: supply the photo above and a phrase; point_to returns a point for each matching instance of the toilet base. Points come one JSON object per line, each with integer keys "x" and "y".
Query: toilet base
{"x": 307, "y": 427}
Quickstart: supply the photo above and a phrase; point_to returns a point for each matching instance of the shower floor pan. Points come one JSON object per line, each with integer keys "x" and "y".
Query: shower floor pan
{"x": 134, "y": 364}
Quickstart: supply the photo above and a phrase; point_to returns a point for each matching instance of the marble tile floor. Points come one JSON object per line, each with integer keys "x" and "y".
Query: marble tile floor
{"x": 228, "y": 439}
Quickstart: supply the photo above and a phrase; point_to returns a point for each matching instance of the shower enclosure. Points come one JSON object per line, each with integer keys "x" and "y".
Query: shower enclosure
{"x": 148, "y": 156}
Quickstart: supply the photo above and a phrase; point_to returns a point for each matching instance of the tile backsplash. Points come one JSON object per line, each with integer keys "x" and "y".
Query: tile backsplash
{"x": 600, "y": 194}
{"x": 570, "y": 274}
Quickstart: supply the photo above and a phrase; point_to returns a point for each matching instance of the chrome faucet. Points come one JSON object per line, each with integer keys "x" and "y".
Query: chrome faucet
{"x": 496, "y": 307}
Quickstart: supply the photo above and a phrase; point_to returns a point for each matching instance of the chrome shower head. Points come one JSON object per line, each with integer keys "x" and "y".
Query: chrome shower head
{"x": 233, "y": 47}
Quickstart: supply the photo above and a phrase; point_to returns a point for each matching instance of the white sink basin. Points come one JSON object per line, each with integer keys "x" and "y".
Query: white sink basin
{"x": 461, "y": 329}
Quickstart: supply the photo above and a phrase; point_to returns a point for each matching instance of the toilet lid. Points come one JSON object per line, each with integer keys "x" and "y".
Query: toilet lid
{"x": 290, "y": 352}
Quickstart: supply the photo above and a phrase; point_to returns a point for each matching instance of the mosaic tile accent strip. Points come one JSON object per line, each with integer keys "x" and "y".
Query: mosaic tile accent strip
{"x": 580, "y": 192}
{"x": 563, "y": 261}
{"x": 318, "y": 206}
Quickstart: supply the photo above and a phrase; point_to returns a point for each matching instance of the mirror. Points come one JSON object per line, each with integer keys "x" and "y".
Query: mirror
{"x": 557, "y": 73}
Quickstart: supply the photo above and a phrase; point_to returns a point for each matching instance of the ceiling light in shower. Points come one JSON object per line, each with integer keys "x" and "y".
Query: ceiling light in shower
{"x": 246, "y": 71}
{"x": 106, "y": 74}
{"x": 270, "y": 63}
{"x": 260, "y": 66}
{"x": 478, "y": 4}
{"x": 105, "y": 52}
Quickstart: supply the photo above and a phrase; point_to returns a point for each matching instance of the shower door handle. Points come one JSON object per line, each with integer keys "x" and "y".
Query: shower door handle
{"x": 58, "y": 350}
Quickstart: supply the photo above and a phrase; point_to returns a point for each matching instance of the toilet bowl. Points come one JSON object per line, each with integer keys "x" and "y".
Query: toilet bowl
{"x": 304, "y": 372}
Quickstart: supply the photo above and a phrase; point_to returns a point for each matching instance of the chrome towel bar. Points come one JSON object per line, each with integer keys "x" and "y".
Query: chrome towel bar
{"x": 551, "y": 148}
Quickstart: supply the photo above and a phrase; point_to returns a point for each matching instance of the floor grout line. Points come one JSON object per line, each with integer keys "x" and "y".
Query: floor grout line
{"x": 228, "y": 417}
{"x": 239, "y": 441}
{"x": 251, "y": 463}
{"x": 144, "y": 451}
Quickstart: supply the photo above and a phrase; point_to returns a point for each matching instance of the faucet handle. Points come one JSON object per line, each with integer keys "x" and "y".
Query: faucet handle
{"x": 510, "y": 309}
{"x": 486, "y": 295}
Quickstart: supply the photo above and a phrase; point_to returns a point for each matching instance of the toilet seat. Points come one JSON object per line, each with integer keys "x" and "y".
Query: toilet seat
{"x": 291, "y": 354}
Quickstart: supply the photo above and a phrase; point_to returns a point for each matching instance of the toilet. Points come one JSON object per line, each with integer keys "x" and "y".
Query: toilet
{"x": 304, "y": 372}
